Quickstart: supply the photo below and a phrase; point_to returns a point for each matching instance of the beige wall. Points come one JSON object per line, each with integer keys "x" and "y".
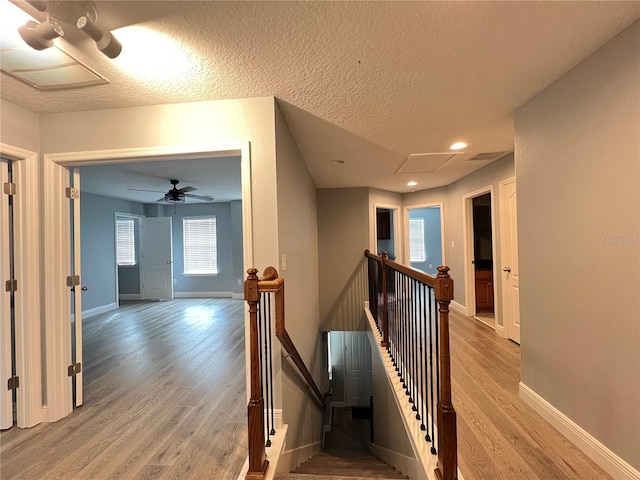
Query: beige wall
{"x": 18, "y": 127}
{"x": 578, "y": 174}
{"x": 298, "y": 240}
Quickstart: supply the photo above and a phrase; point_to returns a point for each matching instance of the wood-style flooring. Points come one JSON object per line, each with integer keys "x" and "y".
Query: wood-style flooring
{"x": 164, "y": 398}
{"x": 499, "y": 436}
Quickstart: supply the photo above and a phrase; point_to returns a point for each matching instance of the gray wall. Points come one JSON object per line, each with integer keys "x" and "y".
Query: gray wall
{"x": 236, "y": 234}
{"x": 451, "y": 196}
{"x": 225, "y": 280}
{"x": 97, "y": 231}
{"x": 343, "y": 234}
{"x": 578, "y": 174}
{"x": 298, "y": 239}
{"x": 432, "y": 239}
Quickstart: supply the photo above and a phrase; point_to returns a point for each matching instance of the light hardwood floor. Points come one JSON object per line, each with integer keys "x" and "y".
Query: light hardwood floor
{"x": 499, "y": 436}
{"x": 164, "y": 399}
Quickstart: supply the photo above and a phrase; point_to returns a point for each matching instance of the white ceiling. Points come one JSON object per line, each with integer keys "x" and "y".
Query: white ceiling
{"x": 368, "y": 83}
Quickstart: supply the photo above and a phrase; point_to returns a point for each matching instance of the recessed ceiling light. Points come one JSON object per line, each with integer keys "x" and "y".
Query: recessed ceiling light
{"x": 458, "y": 146}
{"x": 337, "y": 162}
{"x": 412, "y": 184}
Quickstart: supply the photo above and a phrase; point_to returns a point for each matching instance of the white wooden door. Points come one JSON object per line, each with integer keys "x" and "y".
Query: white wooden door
{"x": 6, "y": 410}
{"x": 76, "y": 296}
{"x": 509, "y": 256}
{"x": 157, "y": 259}
{"x": 359, "y": 369}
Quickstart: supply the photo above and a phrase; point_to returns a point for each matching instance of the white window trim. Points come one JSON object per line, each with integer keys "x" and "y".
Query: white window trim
{"x": 132, "y": 253}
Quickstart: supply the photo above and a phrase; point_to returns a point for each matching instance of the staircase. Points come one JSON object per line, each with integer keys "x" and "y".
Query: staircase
{"x": 345, "y": 455}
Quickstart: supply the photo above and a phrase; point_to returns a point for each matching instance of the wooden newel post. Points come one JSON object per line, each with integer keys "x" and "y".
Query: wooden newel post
{"x": 255, "y": 411}
{"x": 447, "y": 435}
{"x": 385, "y": 311}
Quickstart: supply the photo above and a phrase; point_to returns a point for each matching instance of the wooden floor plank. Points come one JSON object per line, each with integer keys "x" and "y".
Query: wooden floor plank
{"x": 161, "y": 379}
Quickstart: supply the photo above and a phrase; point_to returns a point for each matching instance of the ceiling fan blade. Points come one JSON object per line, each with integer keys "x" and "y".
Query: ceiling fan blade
{"x": 143, "y": 190}
{"x": 206, "y": 198}
{"x": 187, "y": 189}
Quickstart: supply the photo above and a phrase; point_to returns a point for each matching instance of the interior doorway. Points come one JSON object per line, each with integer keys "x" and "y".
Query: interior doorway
{"x": 425, "y": 239}
{"x": 480, "y": 253}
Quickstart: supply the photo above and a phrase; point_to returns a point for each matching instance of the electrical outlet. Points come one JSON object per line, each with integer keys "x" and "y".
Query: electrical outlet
{"x": 452, "y": 244}
{"x": 239, "y": 281}
{"x": 175, "y": 281}
{"x": 430, "y": 265}
{"x": 284, "y": 262}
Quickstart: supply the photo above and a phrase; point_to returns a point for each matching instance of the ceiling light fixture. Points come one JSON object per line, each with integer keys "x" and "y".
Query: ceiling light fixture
{"x": 39, "y": 36}
{"x": 81, "y": 15}
{"x": 337, "y": 162}
{"x": 458, "y": 146}
{"x": 105, "y": 42}
{"x": 412, "y": 184}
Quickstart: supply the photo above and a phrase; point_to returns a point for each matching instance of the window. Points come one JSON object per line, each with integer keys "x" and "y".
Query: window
{"x": 125, "y": 242}
{"x": 200, "y": 249}
{"x": 417, "y": 251}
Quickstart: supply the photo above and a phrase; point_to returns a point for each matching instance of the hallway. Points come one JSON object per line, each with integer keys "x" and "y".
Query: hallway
{"x": 499, "y": 436}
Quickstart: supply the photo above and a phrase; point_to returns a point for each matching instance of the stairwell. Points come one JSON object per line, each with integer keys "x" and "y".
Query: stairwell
{"x": 344, "y": 456}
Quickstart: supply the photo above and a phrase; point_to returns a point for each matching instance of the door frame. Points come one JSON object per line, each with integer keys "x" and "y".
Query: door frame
{"x": 117, "y": 215}
{"x": 469, "y": 268}
{"x": 26, "y": 232}
{"x": 56, "y": 248}
{"x": 406, "y": 209}
{"x": 398, "y": 242}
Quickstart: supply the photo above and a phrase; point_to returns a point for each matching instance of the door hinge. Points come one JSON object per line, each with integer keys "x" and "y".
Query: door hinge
{"x": 74, "y": 369}
{"x": 13, "y": 383}
{"x": 72, "y": 193}
{"x": 11, "y": 285}
{"x": 73, "y": 280}
{"x": 10, "y": 188}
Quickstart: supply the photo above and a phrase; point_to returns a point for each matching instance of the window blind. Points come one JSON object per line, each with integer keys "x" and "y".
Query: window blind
{"x": 417, "y": 251}
{"x": 200, "y": 245}
{"x": 125, "y": 242}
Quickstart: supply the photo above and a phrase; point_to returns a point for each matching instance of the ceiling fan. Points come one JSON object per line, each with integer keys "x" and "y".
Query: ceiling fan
{"x": 175, "y": 194}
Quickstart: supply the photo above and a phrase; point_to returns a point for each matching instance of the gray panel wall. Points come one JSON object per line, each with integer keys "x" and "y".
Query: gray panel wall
{"x": 97, "y": 230}
{"x": 578, "y": 174}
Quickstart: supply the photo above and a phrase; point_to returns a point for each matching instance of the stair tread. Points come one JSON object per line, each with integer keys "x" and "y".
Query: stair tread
{"x": 306, "y": 476}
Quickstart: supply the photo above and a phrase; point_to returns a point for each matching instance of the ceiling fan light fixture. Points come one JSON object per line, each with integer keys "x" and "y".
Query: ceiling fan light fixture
{"x": 39, "y": 36}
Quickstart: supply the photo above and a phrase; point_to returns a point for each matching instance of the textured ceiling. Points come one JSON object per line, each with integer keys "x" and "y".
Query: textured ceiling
{"x": 367, "y": 83}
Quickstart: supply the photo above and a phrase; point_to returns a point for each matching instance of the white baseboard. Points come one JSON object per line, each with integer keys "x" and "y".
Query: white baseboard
{"x": 202, "y": 294}
{"x": 595, "y": 450}
{"x": 273, "y": 454}
{"x": 500, "y": 330}
{"x": 98, "y": 310}
{"x": 292, "y": 459}
{"x": 458, "y": 307}
{"x": 238, "y": 296}
{"x": 130, "y": 296}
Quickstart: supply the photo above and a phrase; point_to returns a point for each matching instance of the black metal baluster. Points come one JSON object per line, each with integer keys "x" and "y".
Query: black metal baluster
{"x": 437, "y": 340}
{"x": 431, "y": 385}
{"x": 270, "y": 360}
{"x": 403, "y": 354}
{"x": 425, "y": 399}
{"x": 263, "y": 386}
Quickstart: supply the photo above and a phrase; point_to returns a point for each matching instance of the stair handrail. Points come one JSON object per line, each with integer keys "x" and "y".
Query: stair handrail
{"x": 442, "y": 285}
{"x": 254, "y": 286}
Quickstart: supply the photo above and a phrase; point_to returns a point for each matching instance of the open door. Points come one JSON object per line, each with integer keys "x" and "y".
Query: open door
{"x": 157, "y": 259}
{"x": 509, "y": 255}
{"x": 75, "y": 367}
{"x": 6, "y": 297}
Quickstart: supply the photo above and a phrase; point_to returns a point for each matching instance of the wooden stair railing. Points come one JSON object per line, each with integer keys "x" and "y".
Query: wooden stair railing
{"x": 389, "y": 280}
{"x": 254, "y": 287}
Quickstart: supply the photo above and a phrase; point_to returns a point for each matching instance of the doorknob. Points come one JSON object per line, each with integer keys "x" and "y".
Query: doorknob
{"x": 168, "y": 262}
{"x": 84, "y": 289}
{"x": 506, "y": 269}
